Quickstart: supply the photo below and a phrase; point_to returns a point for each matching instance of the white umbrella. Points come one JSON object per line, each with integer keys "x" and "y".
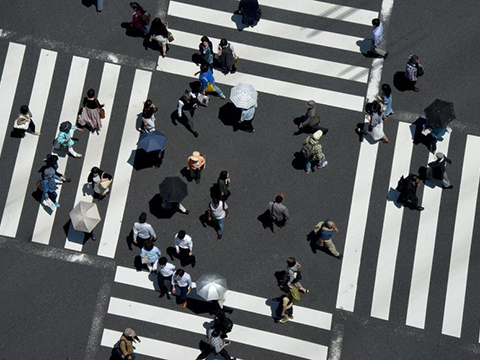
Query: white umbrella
{"x": 244, "y": 96}
{"x": 211, "y": 286}
{"x": 85, "y": 216}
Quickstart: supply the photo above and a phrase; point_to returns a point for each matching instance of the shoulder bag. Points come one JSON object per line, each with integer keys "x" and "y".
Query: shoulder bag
{"x": 101, "y": 111}
{"x": 105, "y": 183}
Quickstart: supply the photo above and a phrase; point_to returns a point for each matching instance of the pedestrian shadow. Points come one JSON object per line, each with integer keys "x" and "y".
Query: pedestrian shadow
{"x": 298, "y": 162}
{"x": 265, "y": 219}
{"x": 131, "y": 31}
{"x": 274, "y": 304}
{"x": 153, "y": 45}
{"x": 186, "y": 174}
{"x": 175, "y": 120}
{"x": 140, "y": 159}
{"x": 172, "y": 253}
{"x": 237, "y": 19}
{"x": 204, "y": 220}
{"x": 392, "y": 196}
{"x": 418, "y": 137}
{"x": 157, "y": 210}
{"x": 229, "y": 115}
{"x": 88, "y": 3}
{"x": 364, "y": 47}
{"x": 400, "y": 81}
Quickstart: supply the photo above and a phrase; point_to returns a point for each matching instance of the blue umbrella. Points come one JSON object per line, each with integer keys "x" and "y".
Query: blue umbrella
{"x": 152, "y": 141}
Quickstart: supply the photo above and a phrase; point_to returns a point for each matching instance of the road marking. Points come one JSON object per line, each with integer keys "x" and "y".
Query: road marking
{"x": 28, "y": 146}
{"x": 323, "y": 9}
{"x": 8, "y": 86}
{"x": 195, "y": 324}
{"x": 123, "y": 169}
{"x": 336, "y": 343}
{"x": 281, "y": 59}
{"x": 73, "y": 96}
{"x": 237, "y": 300}
{"x": 424, "y": 250}
{"x": 392, "y": 225}
{"x": 94, "y": 152}
{"x": 267, "y": 27}
{"x": 269, "y": 86}
{"x": 462, "y": 239}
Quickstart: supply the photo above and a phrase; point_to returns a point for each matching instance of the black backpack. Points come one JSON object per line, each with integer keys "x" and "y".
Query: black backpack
{"x": 307, "y": 150}
{"x": 401, "y": 184}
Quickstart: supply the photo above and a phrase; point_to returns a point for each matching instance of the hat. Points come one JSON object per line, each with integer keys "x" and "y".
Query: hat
{"x": 65, "y": 126}
{"x": 311, "y": 104}
{"x": 195, "y": 156}
{"x": 143, "y": 217}
{"x": 440, "y": 155}
{"x": 318, "y": 134}
{"x": 128, "y": 332}
{"x": 48, "y": 173}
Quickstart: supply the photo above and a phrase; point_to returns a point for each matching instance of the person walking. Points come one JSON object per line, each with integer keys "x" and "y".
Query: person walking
{"x": 385, "y": 97}
{"x": 437, "y": 170}
{"x": 148, "y": 117}
{"x": 324, "y": 232}
{"x": 206, "y": 50}
{"x": 150, "y": 255}
{"x": 51, "y": 161}
{"x": 250, "y": 11}
{"x": 376, "y": 118}
{"x": 184, "y": 247}
{"x": 226, "y": 57}
{"x": 278, "y": 212}
{"x": 125, "y": 344}
{"x": 217, "y": 213}
{"x": 159, "y": 33}
{"x": 413, "y": 70}
{"x": 188, "y": 102}
{"x": 140, "y": 18}
{"x": 246, "y": 119}
{"x": 165, "y": 273}
{"x": 312, "y": 152}
{"x": 195, "y": 164}
{"x": 407, "y": 187}
{"x": 49, "y": 187}
{"x": 100, "y": 181}
{"x": 285, "y": 307}
{"x": 218, "y": 344}
{"x": 294, "y": 275}
{"x": 377, "y": 36}
{"x": 208, "y": 81}
{"x": 223, "y": 183}
{"x": 24, "y": 122}
{"x": 311, "y": 121}
{"x": 184, "y": 282}
{"x": 143, "y": 230}
{"x": 64, "y": 139}
{"x": 91, "y": 115}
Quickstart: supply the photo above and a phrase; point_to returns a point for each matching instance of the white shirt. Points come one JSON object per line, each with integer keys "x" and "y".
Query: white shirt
{"x": 184, "y": 281}
{"x": 167, "y": 271}
{"x": 181, "y": 104}
{"x": 247, "y": 114}
{"x": 377, "y": 34}
{"x": 144, "y": 231}
{"x": 219, "y": 212}
{"x": 185, "y": 243}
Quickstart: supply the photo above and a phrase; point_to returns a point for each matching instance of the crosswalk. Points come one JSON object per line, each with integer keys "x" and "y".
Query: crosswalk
{"x": 193, "y": 326}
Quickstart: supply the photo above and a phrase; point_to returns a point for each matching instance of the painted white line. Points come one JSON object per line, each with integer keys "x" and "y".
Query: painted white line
{"x": 335, "y": 352}
{"x": 94, "y": 151}
{"x": 237, "y": 300}
{"x": 28, "y": 146}
{"x": 392, "y": 224}
{"x": 424, "y": 250}
{"x": 71, "y": 102}
{"x": 281, "y": 59}
{"x": 269, "y": 86}
{"x": 462, "y": 239}
{"x": 8, "y": 86}
{"x": 123, "y": 169}
{"x": 195, "y": 324}
{"x": 267, "y": 27}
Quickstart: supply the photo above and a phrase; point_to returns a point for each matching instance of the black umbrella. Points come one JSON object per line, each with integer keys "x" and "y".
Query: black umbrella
{"x": 440, "y": 113}
{"x": 173, "y": 189}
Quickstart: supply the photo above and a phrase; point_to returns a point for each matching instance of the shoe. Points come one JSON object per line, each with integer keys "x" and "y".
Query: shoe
{"x": 306, "y": 291}
{"x": 283, "y": 321}
{"x": 307, "y": 172}
{"x": 290, "y": 317}
{"x": 162, "y": 295}
{"x": 168, "y": 295}
{"x": 340, "y": 257}
{"x": 219, "y": 239}
{"x": 197, "y": 181}
{"x": 420, "y": 208}
{"x": 195, "y": 134}
{"x": 447, "y": 187}
{"x": 385, "y": 141}
{"x": 416, "y": 89}
{"x": 385, "y": 56}
{"x": 223, "y": 97}
{"x": 322, "y": 166}
{"x": 36, "y": 133}
{"x": 57, "y": 205}
{"x": 93, "y": 237}
{"x": 67, "y": 180}
{"x": 187, "y": 212}
{"x": 79, "y": 156}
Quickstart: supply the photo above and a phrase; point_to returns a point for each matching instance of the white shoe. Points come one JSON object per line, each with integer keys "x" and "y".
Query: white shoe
{"x": 78, "y": 156}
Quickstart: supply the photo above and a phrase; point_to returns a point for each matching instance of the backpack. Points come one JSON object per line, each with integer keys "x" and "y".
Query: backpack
{"x": 401, "y": 184}
{"x": 307, "y": 150}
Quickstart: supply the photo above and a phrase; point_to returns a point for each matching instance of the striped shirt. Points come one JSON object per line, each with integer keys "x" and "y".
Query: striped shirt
{"x": 216, "y": 342}
{"x": 411, "y": 70}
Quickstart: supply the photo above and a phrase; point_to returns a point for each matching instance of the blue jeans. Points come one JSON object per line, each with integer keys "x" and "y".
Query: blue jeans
{"x": 219, "y": 227}
{"x": 99, "y": 5}
{"x": 218, "y": 90}
{"x": 308, "y": 164}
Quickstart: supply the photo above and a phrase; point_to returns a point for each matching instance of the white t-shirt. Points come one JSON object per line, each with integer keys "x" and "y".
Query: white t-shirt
{"x": 219, "y": 212}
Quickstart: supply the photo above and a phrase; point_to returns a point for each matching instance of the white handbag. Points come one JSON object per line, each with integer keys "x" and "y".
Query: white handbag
{"x": 23, "y": 126}
{"x": 203, "y": 99}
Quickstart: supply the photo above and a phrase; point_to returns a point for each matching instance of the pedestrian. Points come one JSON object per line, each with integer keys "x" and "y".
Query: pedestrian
{"x": 195, "y": 164}
{"x": 184, "y": 247}
{"x": 312, "y": 152}
{"x": 184, "y": 282}
{"x": 206, "y": 50}
{"x": 150, "y": 255}
{"x": 375, "y": 117}
{"x": 188, "y": 102}
{"x": 125, "y": 344}
{"x": 278, "y": 212}
{"x": 285, "y": 307}
{"x": 223, "y": 183}
{"x": 64, "y": 140}
{"x": 92, "y": 112}
{"x": 226, "y": 57}
{"x": 99, "y": 5}
{"x": 250, "y": 11}
{"x": 51, "y": 161}
{"x": 165, "y": 273}
{"x": 324, "y": 232}
{"x": 49, "y": 188}
{"x": 385, "y": 97}
{"x": 377, "y": 36}
{"x": 208, "y": 81}
{"x": 100, "y": 181}
{"x": 311, "y": 120}
{"x": 159, "y": 33}
{"x": 407, "y": 187}
{"x": 24, "y": 122}
{"x": 436, "y": 170}
{"x": 170, "y": 205}
{"x": 413, "y": 70}
{"x": 246, "y": 119}
{"x": 434, "y": 134}
{"x": 218, "y": 344}
{"x": 294, "y": 275}
{"x": 143, "y": 230}
{"x": 217, "y": 213}
{"x": 140, "y": 18}
{"x": 148, "y": 117}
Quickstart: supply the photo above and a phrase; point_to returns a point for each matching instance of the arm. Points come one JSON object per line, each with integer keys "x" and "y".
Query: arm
{"x": 220, "y": 50}
{"x": 189, "y": 282}
{"x": 180, "y": 105}
{"x": 209, "y": 211}
{"x": 135, "y": 233}
{"x": 152, "y": 232}
{"x": 176, "y": 245}
{"x": 123, "y": 348}
{"x": 286, "y": 214}
{"x": 227, "y": 213}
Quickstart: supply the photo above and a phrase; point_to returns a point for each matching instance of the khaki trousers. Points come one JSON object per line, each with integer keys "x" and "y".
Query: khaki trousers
{"x": 331, "y": 247}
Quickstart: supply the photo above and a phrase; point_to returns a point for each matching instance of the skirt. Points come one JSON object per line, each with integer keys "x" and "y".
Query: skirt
{"x": 91, "y": 118}
{"x": 377, "y": 132}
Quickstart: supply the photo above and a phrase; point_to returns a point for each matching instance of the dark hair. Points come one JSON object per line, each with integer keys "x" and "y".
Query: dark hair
{"x": 279, "y": 199}
{"x": 95, "y": 170}
{"x": 223, "y": 175}
{"x": 414, "y": 58}
{"x": 216, "y": 200}
{"x": 387, "y": 90}
{"x": 24, "y": 110}
{"x": 376, "y": 108}
{"x": 143, "y": 217}
{"x": 91, "y": 93}
{"x": 147, "y": 104}
{"x": 223, "y": 42}
{"x": 204, "y": 68}
{"x": 148, "y": 245}
{"x": 375, "y": 22}
{"x": 163, "y": 260}
{"x": 291, "y": 261}
{"x": 181, "y": 234}
{"x": 414, "y": 177}
{"x": 204, "y": 38}
{"x": 216, "y": 333}
{"x": 180, "y": 272}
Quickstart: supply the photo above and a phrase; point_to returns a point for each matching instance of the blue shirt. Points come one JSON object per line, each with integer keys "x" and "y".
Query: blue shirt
{"x": 48, "y": 185}
{"x": 205, "y": 78}
{"x": 153, "y": 255}
{"x": 377, "y": 34}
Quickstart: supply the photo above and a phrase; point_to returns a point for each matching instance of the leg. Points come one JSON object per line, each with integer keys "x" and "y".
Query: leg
{"x": 331, "y": 247}
{"x": 220, "y": 227}
{"x": 182, "y": 209}
{"x": 224, "y": 354}
{"x": 183, "y": 296}
{"x": 308, "y": 165}
{"x": 249, "y": 124}
{"x": 164, "y": 49}
{"x": 323, "y": 162}
{"x": 99, "y": 5}
{"x": 161, "y": 283}
{"x": 218, "y": 90}
{"x": 446, "y": 181}
{"x": 73, "y": 152}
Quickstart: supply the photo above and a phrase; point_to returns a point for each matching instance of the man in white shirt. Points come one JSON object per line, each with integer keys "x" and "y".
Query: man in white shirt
{"x": 377, "y": 36}
{"x": 217, "y": 213}
{"x": 184, "y": 282}
{"x": 188, "y": 102}
{"x": 165, "y": 272}
{"x": 143, "y": 231}
{"x": 184, "y": 248}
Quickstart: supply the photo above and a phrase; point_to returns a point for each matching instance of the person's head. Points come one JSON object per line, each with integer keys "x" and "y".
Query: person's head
{"x": 179, "y": 273}
{"x": 216, "y": 333}
{"x": 143, "y": 217}
{"x": 291, "y": 261}
{"x": 375, "y": 22}
{"x": 387, "y": 90}
{"x": 215, "y": 201}
{"x": 223, "y": 42}
{"x": 376, "y": 108}
{"x": 329, "y": 224}
{"x": 187, "y": 94}
{"x": 148, "y": 245}
{"x": 147, "y": 104}
{"x": 204, "y": 68}
{"x": 311, "y": 104}
{"x": 181, "y": 234}
{"x": 51, "y": 160}
{"x": 414, "y": 59}
{"x": 162, "y": 261}
{"x": 91, "y": 93}
{"x": 195, "y": 156}
{"x": 279, "y": 199}
{"x": 205, "y": 40}
{"x": 223, "y": 175}
{"x": 24, "y": 110}
{"x": 129, "y": 333}
{"x": 48, "y": 173}
{"x": 95, "y": 170}
{"x": 415, "y": 178}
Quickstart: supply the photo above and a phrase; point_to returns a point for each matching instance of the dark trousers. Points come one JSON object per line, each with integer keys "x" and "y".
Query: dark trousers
{"x": 196, "y": 174}
{"x": 185, "y": 258}
{"x": 410, "y": 84}
{"x": 161, "y": 282}
{"x": 183, "y": 293}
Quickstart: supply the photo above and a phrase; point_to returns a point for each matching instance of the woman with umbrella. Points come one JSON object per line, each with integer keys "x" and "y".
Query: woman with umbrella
{"x": 439, "y": 114}
{"x": 244, "y": 96}
{"x": 173, "y": 190}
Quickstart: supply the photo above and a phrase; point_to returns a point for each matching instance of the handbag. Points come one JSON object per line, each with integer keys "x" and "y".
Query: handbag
{"x": 101, "y": 111}
{"x": 295, "y": 293}
{"x": 105, "y": 183}
{"x": 21, "y": 126}
{"x": 203, "y": 99}
{"x": 209, "y": 88}
{"x": 170, "y": 37}
{"x": 145, "y": 259}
